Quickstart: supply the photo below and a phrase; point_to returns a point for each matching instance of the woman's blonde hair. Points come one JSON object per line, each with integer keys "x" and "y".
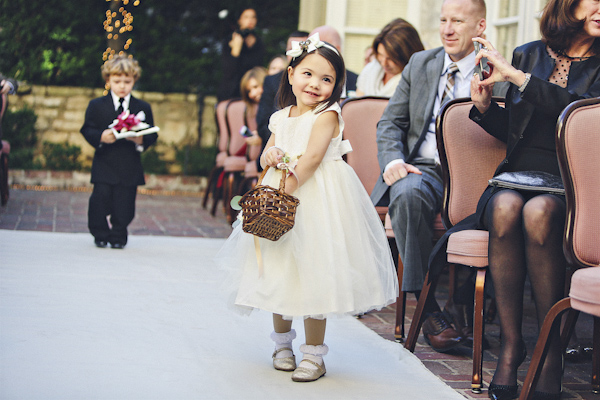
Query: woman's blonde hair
{"x": 121, "y": 65}
{"x": 257, "y": 73}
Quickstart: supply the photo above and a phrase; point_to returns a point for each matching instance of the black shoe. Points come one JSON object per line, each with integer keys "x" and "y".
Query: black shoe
{"x": 101, "y": 243}
{"x": 546, "y": 396}
{"x": 502, "y": 392}
{"x": 120, "y": 246}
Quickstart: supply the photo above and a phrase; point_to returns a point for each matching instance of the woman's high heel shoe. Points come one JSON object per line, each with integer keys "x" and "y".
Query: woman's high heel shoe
{"x": 506, "y": 392}
{"x": 502, "y": 392}
{"x": 546, "y": 396}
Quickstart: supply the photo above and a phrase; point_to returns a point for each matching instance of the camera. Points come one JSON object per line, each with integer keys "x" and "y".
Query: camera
{"x": 245, "y": 132}
{"x": 482, "y": 63}
{"x": 245, "y": 32}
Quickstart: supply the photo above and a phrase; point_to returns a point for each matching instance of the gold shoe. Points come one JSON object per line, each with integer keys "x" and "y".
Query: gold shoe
{"x": 284, "y": 363}
{"x": 303, "y": 374}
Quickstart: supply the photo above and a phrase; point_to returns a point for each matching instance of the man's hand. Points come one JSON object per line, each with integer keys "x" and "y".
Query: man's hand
{"x": 398, "y": 171}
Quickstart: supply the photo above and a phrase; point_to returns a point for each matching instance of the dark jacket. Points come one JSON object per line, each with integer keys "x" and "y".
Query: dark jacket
{"x": 118, "y": 163}
{"x": 538, "y": 106}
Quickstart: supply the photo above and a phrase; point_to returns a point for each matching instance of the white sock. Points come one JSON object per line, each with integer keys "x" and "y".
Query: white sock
{"x": 314, "y": 354}
{"x": 283, "y": 340}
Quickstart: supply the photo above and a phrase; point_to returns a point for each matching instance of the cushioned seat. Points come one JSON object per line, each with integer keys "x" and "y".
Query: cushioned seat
{"x": 585, "y": 291}
{"x": 469, "y": 247}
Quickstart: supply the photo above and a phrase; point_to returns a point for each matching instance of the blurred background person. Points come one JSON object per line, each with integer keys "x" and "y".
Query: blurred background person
{"x": 242, "y": 52}
{"x": 277, "y": 64}
{"x": 392, "y": 47}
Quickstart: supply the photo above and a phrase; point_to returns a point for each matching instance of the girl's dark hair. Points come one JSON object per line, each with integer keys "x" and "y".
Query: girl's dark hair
{"x": 285, "y": 96}
{"x": 400, "y": 40}
{"x": 558, "y": 26}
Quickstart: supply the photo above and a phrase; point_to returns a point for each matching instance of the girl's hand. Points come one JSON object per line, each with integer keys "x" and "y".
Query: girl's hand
{"x": 273, "y": 156}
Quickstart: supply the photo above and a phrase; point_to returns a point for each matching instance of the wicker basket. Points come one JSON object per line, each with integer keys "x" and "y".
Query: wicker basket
{"x": 268, "y": 212}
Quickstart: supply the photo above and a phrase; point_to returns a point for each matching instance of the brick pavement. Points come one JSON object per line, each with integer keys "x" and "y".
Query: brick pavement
{"x": 180, "y": 214}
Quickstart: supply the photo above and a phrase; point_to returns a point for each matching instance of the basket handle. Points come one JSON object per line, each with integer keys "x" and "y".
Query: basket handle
{"x": 281, "y": 182}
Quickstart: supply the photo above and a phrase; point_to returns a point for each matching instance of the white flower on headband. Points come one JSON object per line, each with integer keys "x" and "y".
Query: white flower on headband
{"x": 310, "y": 44}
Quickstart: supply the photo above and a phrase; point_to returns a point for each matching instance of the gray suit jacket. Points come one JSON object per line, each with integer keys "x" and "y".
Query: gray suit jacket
{"x": 405, "y": 121}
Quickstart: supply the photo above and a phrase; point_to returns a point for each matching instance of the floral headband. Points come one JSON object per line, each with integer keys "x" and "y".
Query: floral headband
{"x": 309, "y": 45}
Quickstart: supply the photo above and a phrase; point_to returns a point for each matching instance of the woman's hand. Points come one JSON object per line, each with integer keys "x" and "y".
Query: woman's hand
{"x": 480, "y": 94}
{"x": 236, "y": 43}
{"x": 500, "y": 69}
{"x": 254, "y": 140}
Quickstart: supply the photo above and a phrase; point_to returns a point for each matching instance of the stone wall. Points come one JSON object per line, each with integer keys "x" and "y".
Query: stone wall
{"x": 61, "y": 112}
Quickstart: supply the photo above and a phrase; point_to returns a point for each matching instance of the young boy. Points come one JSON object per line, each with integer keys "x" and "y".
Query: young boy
{"x": 116, "y": 168}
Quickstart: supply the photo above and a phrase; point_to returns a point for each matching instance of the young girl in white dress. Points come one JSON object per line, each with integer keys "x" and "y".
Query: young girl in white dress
{"x": 336, "y": 259}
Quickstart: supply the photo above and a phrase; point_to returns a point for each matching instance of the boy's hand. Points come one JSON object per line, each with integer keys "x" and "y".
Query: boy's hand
{"x": 108, "y": 136}
{"x": 136, "y": 139}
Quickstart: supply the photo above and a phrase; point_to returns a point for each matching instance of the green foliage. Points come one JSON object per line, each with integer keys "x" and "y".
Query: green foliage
{"x": 153, "y": 163}
{"x": 61, "y": 156}
{"x": 196, "y": 160}
{"x": 18, "y": 128}
{"x": 177, "y": 42}
{"x": 52, "y": 42}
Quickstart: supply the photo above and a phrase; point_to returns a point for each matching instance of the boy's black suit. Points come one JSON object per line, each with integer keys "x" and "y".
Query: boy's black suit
{"x": 116, "y": 170}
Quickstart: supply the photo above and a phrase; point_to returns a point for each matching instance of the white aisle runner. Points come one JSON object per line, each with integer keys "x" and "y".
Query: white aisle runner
{"x": 149, "y": 322}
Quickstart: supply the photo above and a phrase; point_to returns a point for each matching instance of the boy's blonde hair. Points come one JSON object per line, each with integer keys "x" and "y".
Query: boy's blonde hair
{"x": 121, "y": 65}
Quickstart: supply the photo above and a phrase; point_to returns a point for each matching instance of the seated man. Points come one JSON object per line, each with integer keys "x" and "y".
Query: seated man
{"x": 411, "y": 177}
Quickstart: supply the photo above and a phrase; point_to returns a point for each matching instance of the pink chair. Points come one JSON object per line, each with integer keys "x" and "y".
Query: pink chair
{"x": 239, "y": 154}
{"x": 222, "y": 141}
{"x": 469, "y": 156}
{"x": 577, "y": 144}
{"x": 4, "y": 187}
{"x": 361, "y": 115}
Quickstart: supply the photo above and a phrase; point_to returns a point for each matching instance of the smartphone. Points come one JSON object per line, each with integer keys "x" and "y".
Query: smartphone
{"x": 245, "y": 132}
{"x": 482, "y": 63}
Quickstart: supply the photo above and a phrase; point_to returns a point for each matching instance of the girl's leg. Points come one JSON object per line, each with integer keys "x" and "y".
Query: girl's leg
{"x": 507, "y": 268}
{"x": 544, "y": 218}
{"x": 312, "y": 366}
{"x": 283, "y": 335}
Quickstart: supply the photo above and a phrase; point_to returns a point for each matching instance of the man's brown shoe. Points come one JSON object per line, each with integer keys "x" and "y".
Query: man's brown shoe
{"x": 439, "y": 334}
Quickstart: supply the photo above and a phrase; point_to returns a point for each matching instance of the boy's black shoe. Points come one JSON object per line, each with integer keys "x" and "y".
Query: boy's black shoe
{"x": 120, "y": 246}
{"x": 101, "y": 243}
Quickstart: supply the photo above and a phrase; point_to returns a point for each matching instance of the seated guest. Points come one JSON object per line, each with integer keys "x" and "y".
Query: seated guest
{"x": 277, "y": 64}
{"x": 526, "y": 227}
{"x": 392, "y": 47}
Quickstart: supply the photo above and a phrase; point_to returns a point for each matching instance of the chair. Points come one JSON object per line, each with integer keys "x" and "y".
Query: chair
{"x": 4, "y": 152}
{"x": 577, "y": 144}
{"x": 361, "y": 115}
{"x": 235, "y": 164}
{"x": 469, "y": 156}
{"x": 222, "y": 140}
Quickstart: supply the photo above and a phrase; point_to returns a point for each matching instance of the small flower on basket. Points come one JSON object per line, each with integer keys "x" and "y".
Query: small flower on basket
{"x": 289, "y": 162}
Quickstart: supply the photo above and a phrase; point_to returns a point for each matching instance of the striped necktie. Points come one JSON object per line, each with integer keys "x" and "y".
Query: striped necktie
{"x": 120, "y": 109}
{"x": 449, "y": 89}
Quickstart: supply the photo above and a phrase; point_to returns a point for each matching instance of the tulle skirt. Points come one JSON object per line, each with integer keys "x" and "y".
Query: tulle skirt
{"x": 335, "y": 260}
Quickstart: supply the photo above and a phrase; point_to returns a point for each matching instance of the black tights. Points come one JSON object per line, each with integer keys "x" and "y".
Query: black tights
{"x": 526, "y": 239}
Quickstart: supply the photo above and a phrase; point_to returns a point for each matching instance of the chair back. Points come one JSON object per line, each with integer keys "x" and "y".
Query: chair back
{"x": 469, "y": 157}
{"x": 235, "y": 118}
{"x": 577, "y": 144}
{"x": 361, "y": 115}
{"x": 223, "y": 132}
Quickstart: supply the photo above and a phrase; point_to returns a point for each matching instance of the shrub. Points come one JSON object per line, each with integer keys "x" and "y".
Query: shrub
{"x": 153, "y": 162}
{"x": 18, "y": 129}
{"x": 61, "y": 156}
{"x": 196, "y": 160}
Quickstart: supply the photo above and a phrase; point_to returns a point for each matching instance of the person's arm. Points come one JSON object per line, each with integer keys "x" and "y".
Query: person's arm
{"x": 93, "y": 130}
{"x": 266, "y": 108}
